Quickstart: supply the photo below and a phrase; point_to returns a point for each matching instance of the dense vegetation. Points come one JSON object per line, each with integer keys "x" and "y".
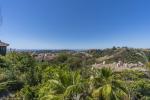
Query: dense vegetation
{"x": 68, "y": 77}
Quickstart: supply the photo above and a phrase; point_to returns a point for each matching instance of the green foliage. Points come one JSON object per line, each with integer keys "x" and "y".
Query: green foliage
{"x": 130, "y": 75}
{"x": 19, "y": 61}
{"x": 62, "y": 58}
{"x": 27, "y": 93}
{"x": 10, "y": 86}
{"x": 140, "y": 89}
{"x": 63, "y": 83}
{"x": 69, "y": 77}
{"x": 138, "y": 83}
{"x": 74, "y": 63}
{"x": 105, "y": 87}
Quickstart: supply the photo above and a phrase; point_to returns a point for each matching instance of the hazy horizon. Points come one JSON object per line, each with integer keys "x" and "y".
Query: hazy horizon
{"x": 75, "y": 24}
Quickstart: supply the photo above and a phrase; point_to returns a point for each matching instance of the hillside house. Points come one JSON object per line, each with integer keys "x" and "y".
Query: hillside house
{"x": 3, "y": 48}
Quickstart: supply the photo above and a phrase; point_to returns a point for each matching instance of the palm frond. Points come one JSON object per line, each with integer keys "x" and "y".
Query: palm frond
{"x": 74, "y": 89}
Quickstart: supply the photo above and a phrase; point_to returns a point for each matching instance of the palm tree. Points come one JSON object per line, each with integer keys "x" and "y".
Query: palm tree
{"x": 68, "y": 86}
{"x": 105, "y": 87}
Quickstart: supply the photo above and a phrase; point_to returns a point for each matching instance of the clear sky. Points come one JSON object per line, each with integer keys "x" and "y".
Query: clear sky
{"x": 75, "y": 24}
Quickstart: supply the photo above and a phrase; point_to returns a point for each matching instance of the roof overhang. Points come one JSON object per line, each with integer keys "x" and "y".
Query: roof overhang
{"x": 2, "y": 44}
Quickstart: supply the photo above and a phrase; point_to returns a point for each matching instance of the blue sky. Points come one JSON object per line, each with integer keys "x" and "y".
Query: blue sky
{"x": 75, "y": 24}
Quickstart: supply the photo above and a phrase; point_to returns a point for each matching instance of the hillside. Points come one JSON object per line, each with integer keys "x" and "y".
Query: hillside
{"x": 127, "y": 55}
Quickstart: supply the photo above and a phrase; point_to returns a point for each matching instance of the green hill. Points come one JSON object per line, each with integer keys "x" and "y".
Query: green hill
{"x": 128, "y": 55}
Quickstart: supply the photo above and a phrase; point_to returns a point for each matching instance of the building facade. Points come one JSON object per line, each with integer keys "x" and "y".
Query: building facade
{"x": 3, "y": 48}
